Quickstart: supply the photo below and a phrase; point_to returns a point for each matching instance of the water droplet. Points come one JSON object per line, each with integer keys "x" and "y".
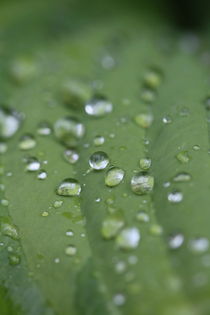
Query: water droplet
{"x": 23, "y": 69}
{"x": 175, "y": 241}
{"x": 182, "y": 177}
{"x": 69, "y": 130}
{"x": 42, "y": 175}
{"x": 9, "y": 229}
{"x": 145, "y": 163}
{"x": 70, "y": 250}
{"x": 175, "y": 196}
{"x": 183, "y": 157}
{"x": 148, "y": 95}
{"x": 69, "y": 187}
{"x": 3, "y": 147}
{"x": 144, "y": 120}
{"x": 57, "y": 260}
{"x": 44, "y": 129}
{"x": 156, "y": 230}
{"x": 99, "y": 160}
{"x": 75, "y": 94}
{"x": 98, "y": 107}
{"x": 114, "y": 176}
{"x": 142, "y": 216}
{"x": 14, "y": 259}
{"x": 132, "y": 260}
{"x": 9, "y": 122}
{"x": 71, "y": 156}
{"x": 32, "y": 164}
{"x": 152, "y": 79}
{"x": 98, "y": 141}
{"x": 5, "y": 202}
{"x": 108, "y": 62}
{"x": 120, "y": 266}
{"x": 128, "y": 238}
{"x": 69, "y": 233}
{"x": 58, "y": 204}
{"x": 196, "y": 147}
{"x": 119, "y": 299}
{"x": 199, "y": 245}
{"x": 167, "y": 120}
{"x": 111, "y": 225}
{"x": 27, "y": 142}
{"x": 142, "y": 183}
{"x": 45, "y": 214}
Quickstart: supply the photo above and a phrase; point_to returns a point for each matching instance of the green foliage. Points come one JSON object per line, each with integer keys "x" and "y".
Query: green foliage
{"x": 75, "y": 255}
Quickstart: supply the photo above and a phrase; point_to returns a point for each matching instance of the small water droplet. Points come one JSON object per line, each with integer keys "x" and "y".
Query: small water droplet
{"x": 99, "y": 160}
{"x": 57, "y": 260}
{"x": 108, "y": 62}
{"x": 111, "y": 225}
{"x": 145, "y": 163}
{"x": 14, "y": 259}
{"x": 156, "y": 230}
{"x": 69, "y": 187}
{"x": 32, "y": 164}
{"x": 119, "y": 299}
{"x": 175, "y": 241}
{"x": 69, "y": 233}
{"x": 75, "y": 93}
{"x": 148, "y": 95}
{"x": 144, "y": 120}
{"x": 9, "y": 122}
{"x": 152, "y": 78}
{"x": 199, "y": 245}
{"x": 3, "y": 147}
{"x": 128, "y": 238}
{"x": 70, "y": 250}
{"x": 167, "y": 120}
{"x": 132, "y": 260}
{"x": 42, "y": 175}
{"x": 183, "y": 157}
{"x": 4, "y": 202}
{"x": 23, "y": 69}
{"x": 98, "y": 107}
{"x": 98, "y": 141}
{"x": 142, "y": 216}
{"x": 120, "y": 266}
{"x": 58, "y": 204}
{"x": 69, "y": 130}
{"x": 9, "y": 229}
{"x": 196, "y": 147}
{"x": 114, "y": 176}
{"x": 175, "y": 196}
{"x": 44, "y": 129}
{"x": 142, "y": 183}
{"x": 71, "y": 156}
{"x": 27, "y": 142}
{"x": 182, "y": 177}
{"x": 45, "y": 214}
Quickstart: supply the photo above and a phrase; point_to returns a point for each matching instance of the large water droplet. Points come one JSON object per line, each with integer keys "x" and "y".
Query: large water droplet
{"x": 175, "y": 241}
{"x": 114, "y": 176}
{"x": 32, "y": 164}
{"x": 142, "y": 183}
{"x": 175, "y": 196}
{"x": 111, "y": 225}
{"x": 9, "y": 122}
{"x": 99, "y": 160}
{"x": 182, "y": 177}
{"x": 69, "y": 187}
{"x": 69, "y": 130}
{"x": 98, "y": 107}
{"x": 128, "y": 238}
{"x": 27, "y": 142}
{"x": 71, "y": 156}
{"x": 144, "y": 120}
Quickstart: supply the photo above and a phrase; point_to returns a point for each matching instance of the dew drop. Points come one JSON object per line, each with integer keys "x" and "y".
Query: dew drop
{"x": 27, "y": 142}
{"x": 4, "y": 202}
{"x": 14, "y": 259}
{"x": 175, "y": 196}
{"x": 145, "y": 164}
{"x": 175, "y": 241}
{"x": 44, "y": 129}
{"x": 98, "y": 141}
{"x": 183, "y": 157}
{"x": 98, "y": 107}
{"x": 69, "y": 187}
{"x": 111, "y": 225}
{"x": 196, "y": 147}
{"x": 152, "y": 79}
{"x": 148, "y": 95}
{"x": 70, "y": 250}
{"x": 32, "y": 164}
{"x": 199, "y": 245}
{"x": 119, "y": 299}
{"x": 9, "y": 229}
{"x": 69, "y": 130}
{"x": 108, "y": 62}
{"x": 71, "y": 156}
{"x": 182, "y": 177}
{"x": 142, "y": 183}
{"x": 142, "y": 216}
{"x": 69, "y": 233}
{"x": 156, "y": 230}
{"x": 99, "y": 160}
{"x": 45, "y": 214}
{"x": 144, "y": 120}
{"x": 128, "y": 238}
{"x": 120, "y": 266}
{"x": 114, "y": 176}
{"x": 9, "y": 122}
{"x": 167, "y": 120}
{"x": 42, "y": 175}
{"x": 57, "y": 204}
